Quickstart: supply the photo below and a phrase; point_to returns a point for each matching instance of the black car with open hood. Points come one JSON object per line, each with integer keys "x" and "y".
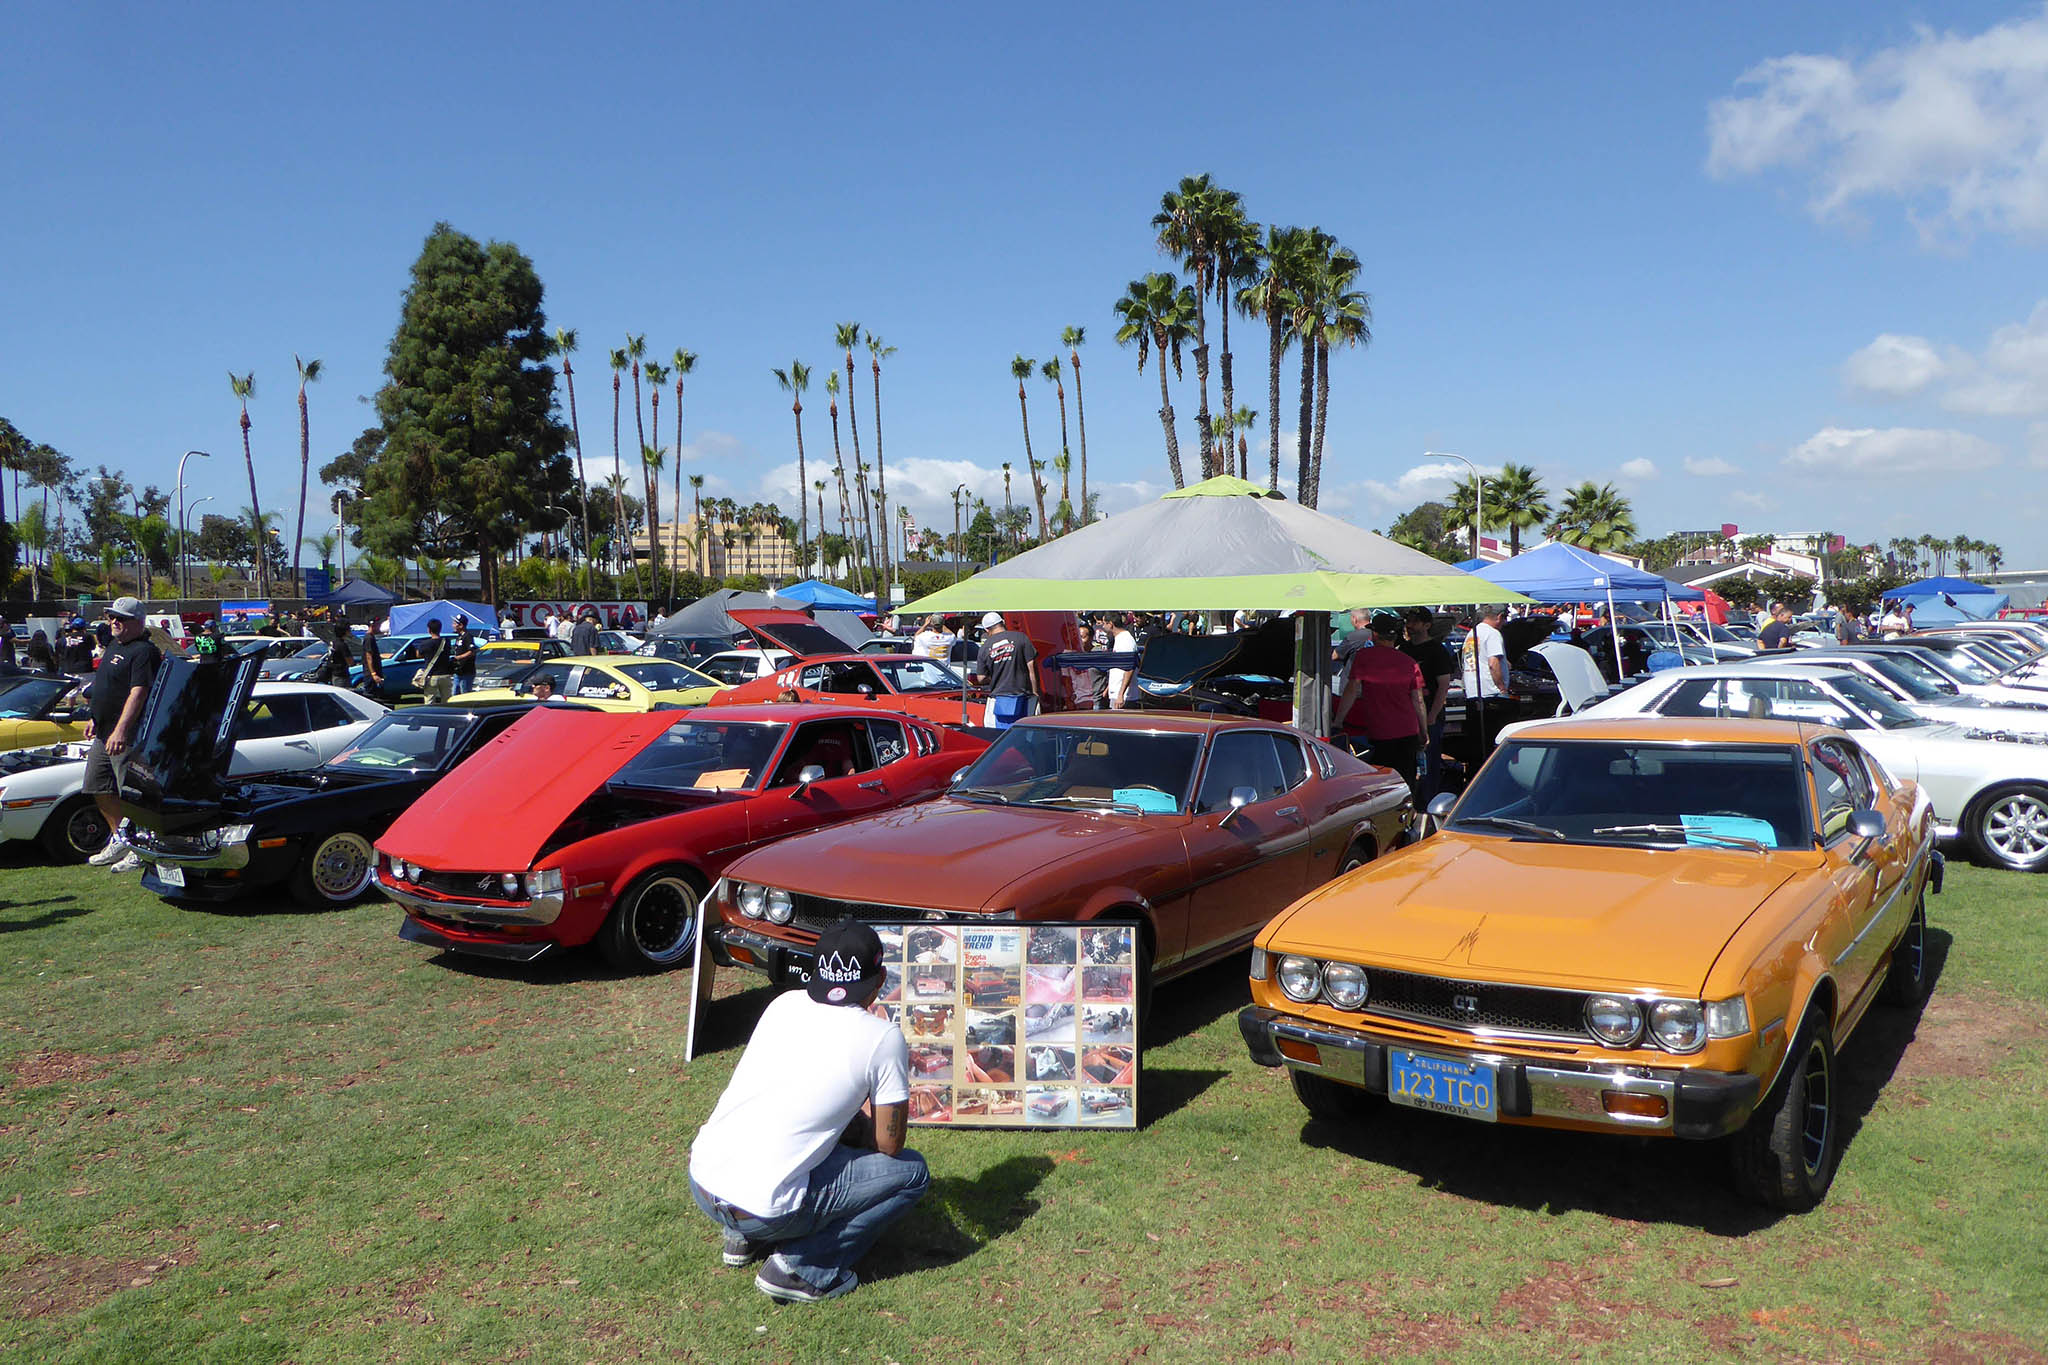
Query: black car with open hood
{"x": 186, "y": 739}
{"x": 314, "y": 831}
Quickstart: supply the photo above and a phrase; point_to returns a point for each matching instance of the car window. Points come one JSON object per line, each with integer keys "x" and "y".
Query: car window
{"x": 275, "y": 718}
{"x": 1841, "y": 786}
{"x": 912, "y": 674}
{"x": 1041, "y": 764}
{"x": 843, "y": 677}
{"x": 731, "y": 668}
{"x": 841, "y": 747}
{"x": 1293, "y": 767}
{"x": 665, "y": 675}
{"x": 558, "y": 674}
{"x": 885, "y": 737}
{"x": 593, "y": 683}
{"x": 703, "y": 756}
{"x": 326, "y": 713}
{"x": 1759, "y": 699}
{"x": 1241, "y": 758}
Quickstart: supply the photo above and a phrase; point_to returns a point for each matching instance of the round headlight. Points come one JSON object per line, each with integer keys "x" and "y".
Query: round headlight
{"x": 1300, "y": 977}
{"x": 510, "y": 881}
{"x": 1615, "y": 1020}
{"x": 1678, "y": 1025}
{"x": 780, "y": 908}
{"x": 753, "y": 900}
{"x": 1344, "y": 985}
{"x": 411, "y": 871}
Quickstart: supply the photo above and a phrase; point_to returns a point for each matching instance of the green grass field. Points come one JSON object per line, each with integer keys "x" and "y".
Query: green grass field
{"x": 266, "y": 1135}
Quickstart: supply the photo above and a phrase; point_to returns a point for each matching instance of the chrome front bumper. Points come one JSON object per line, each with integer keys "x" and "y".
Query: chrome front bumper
{"x": 542, "y": 910}
{"x": 227, "y": 856}
{"x": 1697, "y": 1104}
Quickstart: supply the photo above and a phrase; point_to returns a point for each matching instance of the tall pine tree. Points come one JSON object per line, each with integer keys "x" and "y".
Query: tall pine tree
{"x": 470, "y": 433}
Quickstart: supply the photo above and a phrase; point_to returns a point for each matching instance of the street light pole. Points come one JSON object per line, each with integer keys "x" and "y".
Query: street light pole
{"x": 1478, "y": 492}
{"x": 959, "y": 545}
{"x": 196, "y": 504}
{"x": 182, "y": 576}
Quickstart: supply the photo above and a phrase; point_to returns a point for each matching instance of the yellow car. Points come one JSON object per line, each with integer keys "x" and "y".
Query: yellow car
{"x": 611, "y": 682}
{"x": 40, "y": 710}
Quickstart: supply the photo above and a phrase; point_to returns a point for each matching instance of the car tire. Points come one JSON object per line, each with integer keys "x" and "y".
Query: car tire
{"x": 1906, "y": 982}
{"x": 335, "y": 871}
{"x": 653, "y": 926}
{"x": 2009, "y": 827}
{"x": 1329, "y": 1101}
{"x": 1356, "y": 856}
{"x": 1785, "y": 1156}
{"x": 74, "y": 831}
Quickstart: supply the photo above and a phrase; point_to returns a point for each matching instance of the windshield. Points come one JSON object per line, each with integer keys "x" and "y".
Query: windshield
{"x": 1032, "y": 765}
{"x": 704, "y": 756}
{"x": 405, "y": 740}
{"x": 1844, "y": 701}
{"x": 909, "y": 674}
{"x": 1965, "y": 663}
{"x": 2032, "y": 675}
{"x": 665, "y": 675}
{"x": 30, "y": 697}
{"x": 1889, "y": 713}
{"x": 1918, "y": 682}
{"x": 1741, "y": 796}
{"x": 1915, "y": 664}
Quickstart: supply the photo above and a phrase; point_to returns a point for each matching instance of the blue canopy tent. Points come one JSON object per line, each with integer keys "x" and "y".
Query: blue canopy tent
{"x": 412, "y": 618}
{"x": 826, "y": 595}
{"x": 1935, "y": 587}
{"x": 1945, "y": 607}
{"x": 1565, "y": 573}
{"x": 1471, "y": 565}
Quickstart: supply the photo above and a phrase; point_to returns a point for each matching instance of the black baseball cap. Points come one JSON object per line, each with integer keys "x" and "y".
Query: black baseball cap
{"x": 1386, "y": 623}
{"x": 849, "y": 964}
{"x": 1422, "y": 614}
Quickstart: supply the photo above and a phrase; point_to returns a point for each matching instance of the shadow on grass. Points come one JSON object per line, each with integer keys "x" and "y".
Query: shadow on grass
{"x": 1163, "y": 1090}
{"x": 1651, "y": 1180}
{"x": 67, "y": 908}
{"x": 959, "y": 1216}
{"x": 1188, "y": 1004}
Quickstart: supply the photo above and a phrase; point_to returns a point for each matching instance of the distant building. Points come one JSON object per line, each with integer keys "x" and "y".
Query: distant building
{"x": 722, "y": 549}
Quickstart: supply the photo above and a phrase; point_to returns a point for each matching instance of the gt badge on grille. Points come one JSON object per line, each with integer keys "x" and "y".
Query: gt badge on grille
{"x": 1465, "y": 1006}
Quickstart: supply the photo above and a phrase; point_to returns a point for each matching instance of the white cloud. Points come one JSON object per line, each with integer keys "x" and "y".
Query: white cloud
{"x": 1894, "y": 366}
{"x": 1893, "y": 450}
{"x": 1712, "y": 467}
{"x": 1954, "y": 125}
{"x": 1421, "y": 482}
{"x": 1639, "y": 469}
{"x": 1749, "y": 497}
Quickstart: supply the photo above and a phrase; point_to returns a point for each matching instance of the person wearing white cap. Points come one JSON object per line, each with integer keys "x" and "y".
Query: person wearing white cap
{"x": 1008, "y": 663}
{"x": 119, "y": 689}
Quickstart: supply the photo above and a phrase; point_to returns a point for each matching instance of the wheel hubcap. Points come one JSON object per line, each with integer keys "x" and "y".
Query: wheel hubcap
{"x": 341, "y": 866}
{"x": 664, "y": 920}
{"x": 87, "y": 831}
{"x": 1819, "y": 1116}
{"x": 2017, "y": 828}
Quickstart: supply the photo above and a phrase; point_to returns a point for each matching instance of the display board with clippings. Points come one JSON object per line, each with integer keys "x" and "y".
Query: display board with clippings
{"x": 1016, "y": 1025}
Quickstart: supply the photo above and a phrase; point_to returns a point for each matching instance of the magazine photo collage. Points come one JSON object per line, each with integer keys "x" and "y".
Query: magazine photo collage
{"x": 1016, "y": 1025}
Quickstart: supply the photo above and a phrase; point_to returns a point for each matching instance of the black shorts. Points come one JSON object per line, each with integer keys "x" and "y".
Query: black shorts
{"x": 103, "y": 770}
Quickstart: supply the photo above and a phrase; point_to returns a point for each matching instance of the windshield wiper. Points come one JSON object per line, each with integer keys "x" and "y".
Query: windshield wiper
{"x": 1508, "y": 822}
{"x": 980, "y": 794}
{"x": 1090, "y": 802}
{"x": 1687, "y": 832}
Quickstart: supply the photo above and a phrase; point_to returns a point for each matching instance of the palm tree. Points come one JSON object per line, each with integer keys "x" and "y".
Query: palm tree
{"x": 1158, "y": 313}
{"x": 1072, "y": 338}
{"x": 244, "y": 386}
{"x": 1064, "y": 513}
{"x": 685, "y": 362}
{"x": 1595, "y": 517}
{"x": 794, "y": 381}
{"x": 1020, "y": 370}
{"x": 564, "y": 344}
{"x": 1235, "y": 247}
{"x": 1191, "y": 218}
{"x": 846, "y": 336}
{"x": 878, "y": 351}
{"x": 309, "y": 370}
{"x": 1307, "y": 317}
{"x": 636, "y": 351}
{"x": 839, "y": 468}
{"x": 657, "y": 375}
{"x": 819, "y": 486}
{"x": 620, "y": 360}
{"x": 1346, "y": 321}
{"x": 1242, "y": 421}
{"x": 1270, "y": 296}
{"x": 697, "y": 520}
{"x": 1519, "y": 502}
{"x": 1050, "y": 370}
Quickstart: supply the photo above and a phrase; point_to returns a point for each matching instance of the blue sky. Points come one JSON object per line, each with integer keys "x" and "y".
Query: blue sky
{"x": 1755, "y": 263}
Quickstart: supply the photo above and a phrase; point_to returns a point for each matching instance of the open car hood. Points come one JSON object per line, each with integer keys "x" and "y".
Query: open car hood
{"x": 1267, "y": 650}
{"x": 494, "y": 813}
{"x": 792, "y": 631}
{"x": 186, "y": 739}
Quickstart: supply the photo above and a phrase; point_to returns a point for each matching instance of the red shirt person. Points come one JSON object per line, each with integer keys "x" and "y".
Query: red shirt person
{"x": 1382, "y": 700}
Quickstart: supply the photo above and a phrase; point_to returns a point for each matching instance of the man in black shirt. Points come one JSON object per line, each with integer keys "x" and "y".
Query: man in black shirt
{"x": 463, "y": 656}
{"x": 437, "y": 673}
{"x": 1010, "y": 664}
{"x": 583, "y": 640}
{"x": 74, "y": 648}
{"x": 118, "y": 692}
{"x": 1438, "y": 668}
{"x": 1778, "y": 634}
{"x": 372, "y": 684}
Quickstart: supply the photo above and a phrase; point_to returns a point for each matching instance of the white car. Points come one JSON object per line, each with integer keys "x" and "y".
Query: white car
{"x": 1991, "y": 792}
{"x": 733, "y": 666}
{"x": 289, "y": 726}
{"x": 1979, "y": 716}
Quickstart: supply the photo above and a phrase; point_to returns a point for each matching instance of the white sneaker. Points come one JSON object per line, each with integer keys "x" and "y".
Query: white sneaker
{"x": 116, "y": 849}
{"x": 130, "y": 860}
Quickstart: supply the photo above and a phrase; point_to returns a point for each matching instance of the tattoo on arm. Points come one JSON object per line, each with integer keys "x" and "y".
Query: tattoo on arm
{"x": 892, "y": 1121}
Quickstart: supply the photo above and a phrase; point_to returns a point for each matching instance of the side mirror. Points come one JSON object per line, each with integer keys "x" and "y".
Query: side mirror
{"x": 1440, "y": 805}
{"x": 806, "y": 775}
{"x": 1240, "y": 797}
{"x": 866, "y": 691}
{"x": 1866, "y": 824}
{"x": 954, "y": 780}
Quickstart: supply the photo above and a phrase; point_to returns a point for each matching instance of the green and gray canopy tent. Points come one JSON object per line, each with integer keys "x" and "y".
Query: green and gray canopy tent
{"x": 1222, "y": 545}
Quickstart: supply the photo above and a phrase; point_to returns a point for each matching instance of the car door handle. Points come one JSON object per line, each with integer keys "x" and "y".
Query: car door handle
{"x": 873, "y": 786}
{"x": 1289, "y": 810}
{"x": 299, "y": 744}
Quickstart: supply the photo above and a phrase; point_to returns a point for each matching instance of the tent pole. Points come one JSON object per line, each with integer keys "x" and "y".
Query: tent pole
{"x": 1312, "y": 672}
{"x": 1614, "y": 631}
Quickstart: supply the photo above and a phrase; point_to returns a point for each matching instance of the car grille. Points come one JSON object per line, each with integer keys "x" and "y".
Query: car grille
{"x": 819, "y": 913}
{"x": 1476, "y": 1004}
{"x": 180, "y": 845}
{"x": 466, "y": 885}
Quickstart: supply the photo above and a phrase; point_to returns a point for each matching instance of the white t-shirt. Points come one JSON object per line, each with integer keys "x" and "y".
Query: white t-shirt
{"x": 933, "y": 644}
{"x": 806, "y": 1072}
{"x": 1893, "y": 625}
{"x": 1119, "y": 678}
{"x": 1482, "y": 644}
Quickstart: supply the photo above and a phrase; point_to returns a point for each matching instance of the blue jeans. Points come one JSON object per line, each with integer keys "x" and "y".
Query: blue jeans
{"x": 854, "y": 1196}
{"x": 464, "y": 682}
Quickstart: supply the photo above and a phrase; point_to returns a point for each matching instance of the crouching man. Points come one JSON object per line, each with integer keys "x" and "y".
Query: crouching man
{"x": 803, "y": 1157}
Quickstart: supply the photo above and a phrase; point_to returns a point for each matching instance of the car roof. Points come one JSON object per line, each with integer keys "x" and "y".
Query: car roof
{"x": 282, "y": 687}
{"x": 789, "y": 712}
{"x": 1747, "y": 668}
{"x": 1178, "y": 722}
{"x": 1675, "y": 729}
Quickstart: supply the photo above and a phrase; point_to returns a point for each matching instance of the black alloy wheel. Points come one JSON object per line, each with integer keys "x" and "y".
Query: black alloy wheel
{"x": 1906, "y": 982}
{"x": 653, "y": 927}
